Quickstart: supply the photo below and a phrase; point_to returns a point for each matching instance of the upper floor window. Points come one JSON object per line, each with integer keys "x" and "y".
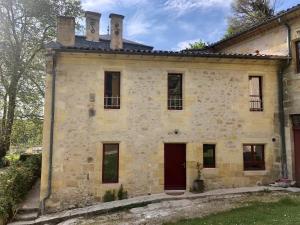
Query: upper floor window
{"x": 209, "y": 157}
{"x": 112, "y": 97}
{"x": 110, "y": 163}
{"x": 254, "y": 157}
{"x": 298, "y": 56}
{"x": 255, "y": 88}
{"x": 175, "y": 91}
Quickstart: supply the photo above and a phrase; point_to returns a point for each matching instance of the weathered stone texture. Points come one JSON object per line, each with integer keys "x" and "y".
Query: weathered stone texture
{"x": 215, "y": 110}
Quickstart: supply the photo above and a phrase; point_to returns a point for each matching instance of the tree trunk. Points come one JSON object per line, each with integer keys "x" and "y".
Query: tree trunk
{"x": 5, "y": 137}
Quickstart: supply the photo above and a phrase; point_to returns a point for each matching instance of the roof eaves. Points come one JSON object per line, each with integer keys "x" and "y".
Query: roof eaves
{"x": 171, "y": 53}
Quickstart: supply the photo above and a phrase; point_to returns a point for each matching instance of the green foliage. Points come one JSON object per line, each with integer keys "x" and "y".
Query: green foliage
{"x": 198, "y": 45}
{"x": 122, "y": 194}
{"x": 27, "y": 133}
{"x": 25, "y": 27}
{"x": 246, "y": 13}
{"x": 109, "y": 196}
{"x": 285, "y": 211}
{"x": 15, "y": 181}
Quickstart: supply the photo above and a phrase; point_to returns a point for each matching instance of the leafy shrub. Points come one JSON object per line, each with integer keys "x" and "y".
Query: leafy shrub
{"x": 109, "y": 196}
{"x": 15, "y": 181}
{"x": 122, "y": 194}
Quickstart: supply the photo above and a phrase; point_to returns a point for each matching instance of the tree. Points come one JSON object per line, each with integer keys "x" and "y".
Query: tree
{"x": 197, "y": 45}
{"x": 25, "y": 26}
{"x": 249, "y": 12}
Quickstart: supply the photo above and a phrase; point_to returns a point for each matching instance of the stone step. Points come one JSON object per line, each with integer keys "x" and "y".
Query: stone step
{"x": 26, "y": 216}
{"x": 27, "y": 210}
{"x": 21, "y": 223}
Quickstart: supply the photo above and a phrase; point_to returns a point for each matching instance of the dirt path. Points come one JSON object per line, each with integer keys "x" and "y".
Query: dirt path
{"x": 159, "y": 213}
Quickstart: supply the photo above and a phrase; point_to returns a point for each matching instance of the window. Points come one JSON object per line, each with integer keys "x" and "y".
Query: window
{"x": 298, "y": 56}
{"x": 112, "y": 90}
{"x": 209, "y": 158}
{"x": 255, "y": 87}
{"x": 110, "y": 165}
{"x": 175, "y": 91}
{"x": 254, "y": 157}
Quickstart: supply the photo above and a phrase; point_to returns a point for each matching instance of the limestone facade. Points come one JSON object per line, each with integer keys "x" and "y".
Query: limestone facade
{"x": 275, "y": 42}
{"x": 215, "y": 111}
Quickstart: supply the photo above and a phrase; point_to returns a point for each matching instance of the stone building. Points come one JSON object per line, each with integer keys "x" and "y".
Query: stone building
{"x": 118, "y": 112}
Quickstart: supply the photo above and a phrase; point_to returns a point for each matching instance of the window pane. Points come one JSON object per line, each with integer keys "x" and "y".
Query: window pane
{"x": 175, "y": 91}
{"x": 298, "y": 56}
{"x": 208, "y": 156}
{"x": 254, "y": 157}
{"x": 255, "y": 92}
{"x": 110, "y": 163}
{"x": 112, "y": 90}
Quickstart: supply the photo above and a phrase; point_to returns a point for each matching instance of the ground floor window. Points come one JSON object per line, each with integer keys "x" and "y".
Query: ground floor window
{"x": 254, "y": 157}
{"x": 110, "y": 166}
{"x": 209, "y": 158}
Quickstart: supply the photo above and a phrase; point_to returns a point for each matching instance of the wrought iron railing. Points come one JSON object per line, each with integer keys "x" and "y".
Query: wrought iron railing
{"x": 256, "y": 103}
{"x": 175, "y": 102}
{"x": 112, "y": 102}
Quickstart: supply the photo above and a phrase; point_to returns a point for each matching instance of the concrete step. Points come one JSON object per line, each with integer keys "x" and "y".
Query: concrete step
{"x": 26, "y": 216}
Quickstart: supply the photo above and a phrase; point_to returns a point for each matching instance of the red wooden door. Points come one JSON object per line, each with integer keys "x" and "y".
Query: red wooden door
{"x": 175, "y": 172}
{"x": 297, "y": 154}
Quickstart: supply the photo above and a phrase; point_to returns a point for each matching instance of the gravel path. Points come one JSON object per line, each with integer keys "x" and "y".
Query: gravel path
{"x": 159, "y": 213}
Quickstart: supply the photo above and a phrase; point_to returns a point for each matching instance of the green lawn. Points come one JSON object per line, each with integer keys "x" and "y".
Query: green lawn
{"x": 284, "y": 212}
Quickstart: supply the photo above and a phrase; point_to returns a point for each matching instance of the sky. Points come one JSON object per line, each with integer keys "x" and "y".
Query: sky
{"x": 169, "y": 24}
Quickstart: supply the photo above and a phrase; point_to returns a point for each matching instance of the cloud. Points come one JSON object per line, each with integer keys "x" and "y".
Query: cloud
{"x": 185, "y": 44}
{"x": 141, "y": 24}
{"x": 105, "y": 5}
{"x": 181, "y": 7}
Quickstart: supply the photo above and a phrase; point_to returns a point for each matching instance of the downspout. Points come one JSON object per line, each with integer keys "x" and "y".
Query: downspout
{"x": 280, "y": 75}
{"x": 49, "y": 183}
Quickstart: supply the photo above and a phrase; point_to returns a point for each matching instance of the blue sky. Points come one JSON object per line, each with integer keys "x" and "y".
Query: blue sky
{"x": 169, "y": 24}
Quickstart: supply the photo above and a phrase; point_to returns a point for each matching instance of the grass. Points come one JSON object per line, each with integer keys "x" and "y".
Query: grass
{"x": 284, "y": 212}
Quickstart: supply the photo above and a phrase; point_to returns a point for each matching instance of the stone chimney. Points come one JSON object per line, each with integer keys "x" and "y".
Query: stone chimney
{"x": 92, "y": 26}
{"x": 116, "y": 31}
{"x": 65, "y": 30}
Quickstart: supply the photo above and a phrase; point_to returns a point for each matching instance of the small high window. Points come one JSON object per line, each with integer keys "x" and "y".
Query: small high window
{"x": 110, "y": 163}
{"x": 112, "y": 90}
{"x": 175, "y": 91}
{"x": 254, "y": 157}
{"x": 255, "y": 89}
{"x": 209, "y": 157}
{"x": 298, "y": 56}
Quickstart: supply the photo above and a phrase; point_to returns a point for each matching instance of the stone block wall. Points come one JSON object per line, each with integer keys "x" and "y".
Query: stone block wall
{"x": 215, "y": 111}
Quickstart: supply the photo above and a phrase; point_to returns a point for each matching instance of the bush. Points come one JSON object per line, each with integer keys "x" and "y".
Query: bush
{"x": 109, "y": 196}
{"x": 15, "y": 181}
{"x": 122, "y": 194}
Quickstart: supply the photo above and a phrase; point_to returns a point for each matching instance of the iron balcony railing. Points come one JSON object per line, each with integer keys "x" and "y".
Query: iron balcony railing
{"x": 112, "y": 102}
{"x": 256, "y": 103}
{"x": 175, "y": 102}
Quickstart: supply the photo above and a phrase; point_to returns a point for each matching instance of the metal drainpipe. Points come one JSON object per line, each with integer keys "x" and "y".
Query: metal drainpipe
{"x": 49, "y": 186}
{"x": 281, "y": 104}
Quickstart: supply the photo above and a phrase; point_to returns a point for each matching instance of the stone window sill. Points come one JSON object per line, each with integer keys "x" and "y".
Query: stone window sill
{"x": 256, "y": 173}
{"x": 210, "y": 171}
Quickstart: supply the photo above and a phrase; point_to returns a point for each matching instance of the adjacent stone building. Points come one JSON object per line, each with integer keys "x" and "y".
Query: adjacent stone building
{"x": 118, "y": 112}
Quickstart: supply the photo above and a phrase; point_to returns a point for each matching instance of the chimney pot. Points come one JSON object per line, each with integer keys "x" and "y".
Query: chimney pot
{"x": 65, "y": 30}
{"x": 116, "y": 31}
{"x": 92, "y": 26}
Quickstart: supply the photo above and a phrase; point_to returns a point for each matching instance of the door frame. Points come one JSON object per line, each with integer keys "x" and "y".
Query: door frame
{"x": 296, "y": 161}
{"x": 185, "y": 174}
